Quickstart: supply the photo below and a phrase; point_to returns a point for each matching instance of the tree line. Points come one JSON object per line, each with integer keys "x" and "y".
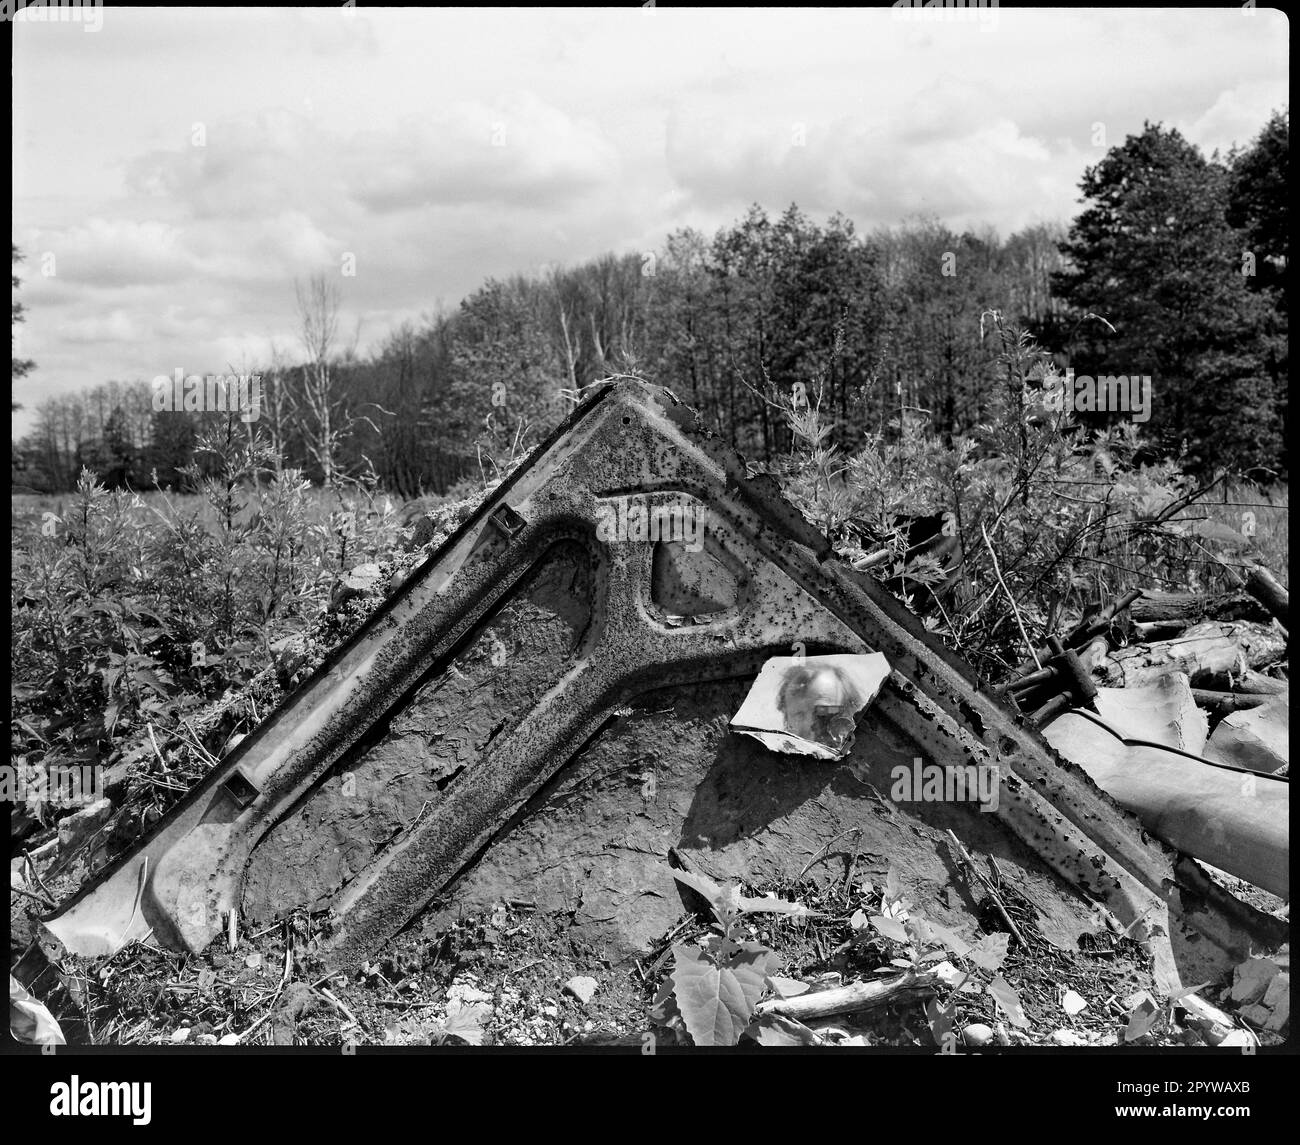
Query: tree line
{"x": 1175, "y": 268}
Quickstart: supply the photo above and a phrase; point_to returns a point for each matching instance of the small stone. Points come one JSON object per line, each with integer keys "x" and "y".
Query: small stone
{"x": 1073, "y": 1003}
{"x": 180, "y": 1036}
{"x": 253, "y": 961}
{"x": 74, "y": 829}
{"x": 977, "y": 1034}
{"x": 1067, "y": 1038}
{"x": 1250, "y": 980}
{"x": 551, "y": 1011}
{"x": 206, "y": 1040}
{"x": 581, "y": 987}
{"x": 228, "y": 1040}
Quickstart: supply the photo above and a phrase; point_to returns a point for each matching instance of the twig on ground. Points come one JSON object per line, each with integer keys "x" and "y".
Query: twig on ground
{"x": 984, "y": 881}
{"x": 40, "y": 898}
{"x": 825, "y": 851}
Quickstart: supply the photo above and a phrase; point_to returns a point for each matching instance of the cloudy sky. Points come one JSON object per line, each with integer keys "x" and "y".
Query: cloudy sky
{"x": 176, "y": 170}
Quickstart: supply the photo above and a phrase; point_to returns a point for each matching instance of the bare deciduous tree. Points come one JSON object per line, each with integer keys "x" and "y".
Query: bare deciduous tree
{"x": 318, "y": 316}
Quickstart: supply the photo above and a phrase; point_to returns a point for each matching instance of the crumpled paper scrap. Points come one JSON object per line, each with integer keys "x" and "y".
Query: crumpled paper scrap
{"x": 809, "y": 705}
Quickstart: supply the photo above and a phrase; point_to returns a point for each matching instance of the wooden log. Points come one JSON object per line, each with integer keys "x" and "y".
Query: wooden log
{"x": 860, "y": 995}
{"x": 1224, "y": 703}
{"x": 1247, "y": 682}
{"x": 1187, "y": 608}
{"x": 1207, "y": 652}
{"x": 1268, "y": 590}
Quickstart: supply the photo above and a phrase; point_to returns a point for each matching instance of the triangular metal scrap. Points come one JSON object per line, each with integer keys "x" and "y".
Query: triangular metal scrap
{"x": 698, "y": 573}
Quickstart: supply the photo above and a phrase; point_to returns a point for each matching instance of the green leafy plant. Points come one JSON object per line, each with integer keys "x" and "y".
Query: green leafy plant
{"x": 713, "y": 989}
{"x": 149, "y": 628}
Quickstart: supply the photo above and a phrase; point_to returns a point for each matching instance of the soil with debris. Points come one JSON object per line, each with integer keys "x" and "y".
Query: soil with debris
{"x": 582, "y": 888}
{"x": 498, "y": 977}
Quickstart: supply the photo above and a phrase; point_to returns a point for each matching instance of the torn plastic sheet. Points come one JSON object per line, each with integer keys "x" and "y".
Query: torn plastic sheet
{"x": 809, "y": 705}
{"x": 29, "y": 1021}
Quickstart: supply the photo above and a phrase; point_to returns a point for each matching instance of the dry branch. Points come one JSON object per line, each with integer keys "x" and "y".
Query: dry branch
{"x": 1265, "y": 587}
{"x": 1206, "y": 652}
{"x": 858, "y": 995}
{"x": 1188, "y": 608}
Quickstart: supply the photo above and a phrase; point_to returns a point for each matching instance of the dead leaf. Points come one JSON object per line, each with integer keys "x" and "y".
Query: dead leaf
{"x": 1008, "y": 1000}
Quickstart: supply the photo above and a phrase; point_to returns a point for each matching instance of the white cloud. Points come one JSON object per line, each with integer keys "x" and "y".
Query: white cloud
{"x": 373, "y": 134}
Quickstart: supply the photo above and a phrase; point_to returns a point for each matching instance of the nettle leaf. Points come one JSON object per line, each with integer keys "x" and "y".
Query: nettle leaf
{"x": 933, "y": 934}
{"x": 1186, "y": 990}
{"x": 716, "y": 1002}
{"x": 939, "y": 1019}
{"x": 730, "y": 904}
{"x": 892, "y": 886}
{"x": 1008, "y": 1001}
{"x": 890, "y": 928}
{"x": 990, "y": 952}
{"x": 702, "y": 885}
{"x": 770, "y": 904}
{"x": 1143, "y": 1017}
{"x": 752, "y": 964}
{"x": 664, "y": 1007}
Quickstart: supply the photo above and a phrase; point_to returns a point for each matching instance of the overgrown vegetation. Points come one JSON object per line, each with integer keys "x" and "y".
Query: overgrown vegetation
{"x": 1049, "y": 521}
{"x": 148, "y": 630}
